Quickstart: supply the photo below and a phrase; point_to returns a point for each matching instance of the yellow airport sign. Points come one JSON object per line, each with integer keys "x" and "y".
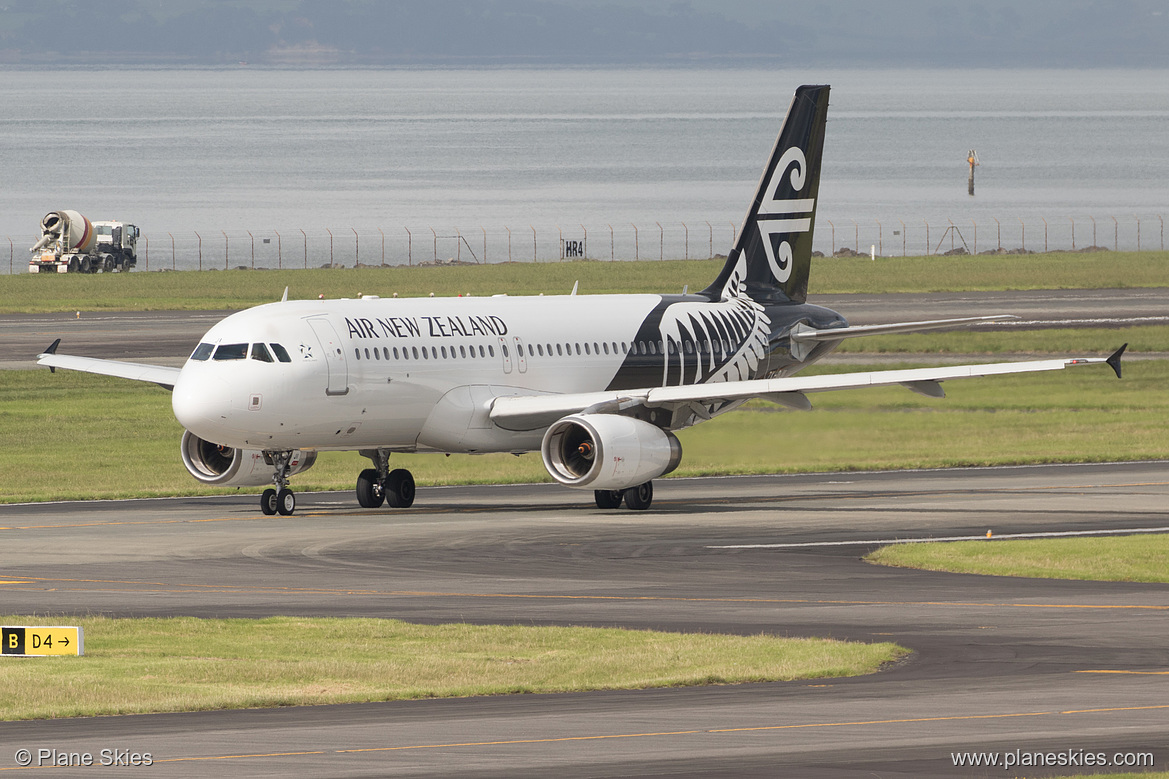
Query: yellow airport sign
{"x": 39, "y": 641}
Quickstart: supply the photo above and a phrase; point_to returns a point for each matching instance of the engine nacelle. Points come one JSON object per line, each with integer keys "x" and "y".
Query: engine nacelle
{"x": 226, "y": 467}
{"x": 607, "y": 451}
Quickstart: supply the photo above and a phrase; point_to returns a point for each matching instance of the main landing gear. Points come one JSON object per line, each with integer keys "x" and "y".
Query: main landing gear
{"x": 380, "y": 484}
{"x": 279, "y": 498}
{"x": 637, "y": 498}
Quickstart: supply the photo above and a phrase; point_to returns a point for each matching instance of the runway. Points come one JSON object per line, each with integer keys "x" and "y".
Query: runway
{"x": 999, "y": 664}
{"x": 167, "y": 337}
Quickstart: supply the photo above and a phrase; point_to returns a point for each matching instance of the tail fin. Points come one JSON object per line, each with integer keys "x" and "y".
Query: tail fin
{"x": 773, "y": 254}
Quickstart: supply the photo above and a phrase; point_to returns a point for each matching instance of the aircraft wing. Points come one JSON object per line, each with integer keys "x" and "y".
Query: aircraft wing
{"x": 529, "y": 412}
{"x": 157, "y": 374}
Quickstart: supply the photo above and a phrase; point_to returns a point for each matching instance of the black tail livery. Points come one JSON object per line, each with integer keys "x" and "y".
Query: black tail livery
{"x": 773, "y": 252}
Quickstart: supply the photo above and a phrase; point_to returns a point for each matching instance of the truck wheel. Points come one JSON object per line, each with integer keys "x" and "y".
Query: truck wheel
{"x": 86, "y": 265}
{"x": 74, "y": 265}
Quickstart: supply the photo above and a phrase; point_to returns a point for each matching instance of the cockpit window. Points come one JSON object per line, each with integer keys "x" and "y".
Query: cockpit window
{"x": 203, "y": 352}
{"x": 281, "y": 353}
{"x": 260, "y": 352}
{"x": 231, "y": 352}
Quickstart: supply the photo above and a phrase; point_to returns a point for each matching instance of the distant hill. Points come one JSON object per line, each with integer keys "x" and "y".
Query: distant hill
{"x": 788, "y": 33}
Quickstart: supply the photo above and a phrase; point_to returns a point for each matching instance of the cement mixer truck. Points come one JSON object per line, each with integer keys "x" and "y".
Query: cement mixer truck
{"x": 70, "y": 243}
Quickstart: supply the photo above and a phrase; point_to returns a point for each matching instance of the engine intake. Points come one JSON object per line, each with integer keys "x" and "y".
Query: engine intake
{"x": 607, "y": 451}
{"x": 226, "y": 467}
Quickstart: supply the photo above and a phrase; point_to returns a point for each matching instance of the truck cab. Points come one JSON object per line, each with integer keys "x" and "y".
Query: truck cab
{"x": 117, "y": 243}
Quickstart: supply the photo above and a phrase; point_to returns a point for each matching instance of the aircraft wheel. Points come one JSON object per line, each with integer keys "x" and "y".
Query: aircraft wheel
{"x": 268, "y": 502}
{"x": 638, "y": 498}
{"x": 370, "y": 493}
{"x": 607, "y": 499}
{"x": 399, "y": 489}
{"x": 285, "y": 502}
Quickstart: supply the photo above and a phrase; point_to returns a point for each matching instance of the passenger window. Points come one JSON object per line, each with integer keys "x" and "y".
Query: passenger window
{"x": 367, "y": 354}
{"x": 231, "y": 352}
{"x": 395, "y": 352}
{"x": 260, "y": 352}
{"x": 481, "y": 350}
{"x": 280, "y": 352}
{"x": 578, "y": 350}
{"x": 203, "y": 352}
{"x": 462, "y": 351}
{"x": 416, "y": 352}
{"x": 444, "y": 352}
{"x": 540, "y": 348}
{"x": 606, "y": 347}
{"x": 491, "y": 350}
{"x": 559, "y": 351}
{"x": 357, "y": 353}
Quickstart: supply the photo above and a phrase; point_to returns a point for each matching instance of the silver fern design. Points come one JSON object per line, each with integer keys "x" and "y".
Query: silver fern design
{"x": 724, "y": 341}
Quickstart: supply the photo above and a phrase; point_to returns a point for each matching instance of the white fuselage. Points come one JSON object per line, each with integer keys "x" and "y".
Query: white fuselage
{"x": 398, "y": 374}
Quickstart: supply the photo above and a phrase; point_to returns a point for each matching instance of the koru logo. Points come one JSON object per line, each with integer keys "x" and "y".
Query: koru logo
{"x": 780, "y": 259}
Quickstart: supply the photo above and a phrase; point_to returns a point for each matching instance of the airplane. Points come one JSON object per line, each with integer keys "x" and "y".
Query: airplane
{"x": 598, "y": 384}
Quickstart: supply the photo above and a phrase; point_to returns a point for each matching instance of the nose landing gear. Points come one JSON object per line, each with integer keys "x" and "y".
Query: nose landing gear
{"x": 279, "y": 499}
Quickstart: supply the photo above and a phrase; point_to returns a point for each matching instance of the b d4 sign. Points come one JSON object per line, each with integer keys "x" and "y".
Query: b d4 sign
{"x": 40, "y": 641}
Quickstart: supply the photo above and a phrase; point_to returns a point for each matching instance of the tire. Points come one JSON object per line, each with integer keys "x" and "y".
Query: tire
{"x": 400, "y": 489}
{"x": 370, "y": 492}
{"x": 86, "y": 266}
{"x": 607, "y": 499}
{"x": 268, "y": 502}
{"x": 638, "y": 498}
{"x": 108, "y": 264}
{"x": 74, "y": 265}
{"x": 285, "y": 502}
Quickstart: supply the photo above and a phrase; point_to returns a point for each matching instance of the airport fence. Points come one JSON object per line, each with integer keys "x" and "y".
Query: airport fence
{"x": 433, "y": 245}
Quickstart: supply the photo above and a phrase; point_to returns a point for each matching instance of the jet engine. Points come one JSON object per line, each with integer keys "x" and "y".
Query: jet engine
{"x": 226, "y": 467}
{"x": 607, "y": 451}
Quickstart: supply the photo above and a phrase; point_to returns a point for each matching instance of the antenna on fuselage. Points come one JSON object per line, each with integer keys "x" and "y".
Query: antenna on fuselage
{"x": 284, "y": 297}
{"x": 574, "y": 287}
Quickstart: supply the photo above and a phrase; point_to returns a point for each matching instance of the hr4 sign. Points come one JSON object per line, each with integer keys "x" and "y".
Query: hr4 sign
{"x": 40, "y": 641}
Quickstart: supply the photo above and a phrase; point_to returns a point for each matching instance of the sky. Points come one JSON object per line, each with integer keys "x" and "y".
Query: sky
{"x": 445, "y": 33}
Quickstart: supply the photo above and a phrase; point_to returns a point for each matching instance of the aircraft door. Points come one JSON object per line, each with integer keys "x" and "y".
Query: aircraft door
{"x": 334, "y": 356}
{"x": 505, "y": 352}
{"x": 521, "y": 358}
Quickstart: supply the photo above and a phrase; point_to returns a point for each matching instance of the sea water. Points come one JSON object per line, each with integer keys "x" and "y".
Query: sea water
{"x": 235, "y": 166}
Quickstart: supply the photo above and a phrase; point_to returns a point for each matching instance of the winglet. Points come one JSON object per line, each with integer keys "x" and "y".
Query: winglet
{"x": 51, "y": 350}
{"x": 1114, "y": 360}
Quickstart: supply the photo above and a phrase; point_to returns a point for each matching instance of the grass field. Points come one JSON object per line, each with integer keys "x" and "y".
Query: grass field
{"x": 135, "y": 666}
{"x": 1136, "y": 558}
{"x": 114, "y": 438}
{"x": 236, "y": 289}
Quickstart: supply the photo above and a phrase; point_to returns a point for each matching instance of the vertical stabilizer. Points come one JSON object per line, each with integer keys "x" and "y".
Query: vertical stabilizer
{"x": 772, "y": 256}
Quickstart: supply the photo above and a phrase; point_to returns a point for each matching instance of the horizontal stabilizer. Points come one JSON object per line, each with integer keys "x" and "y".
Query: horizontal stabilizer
{"x": 803, "y": 336}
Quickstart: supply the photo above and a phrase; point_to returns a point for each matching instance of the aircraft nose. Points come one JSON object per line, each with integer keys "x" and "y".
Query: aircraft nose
{"x": 202, "y": 403}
